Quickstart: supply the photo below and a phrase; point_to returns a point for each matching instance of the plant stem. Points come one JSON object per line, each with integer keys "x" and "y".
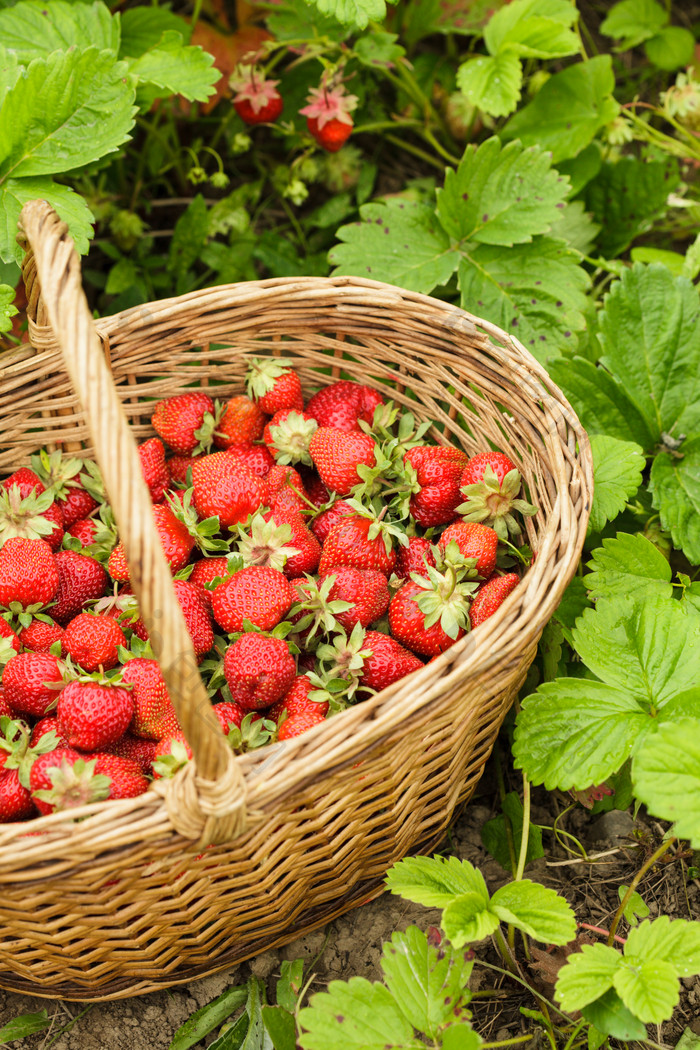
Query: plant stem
{"x": 504, "y": 951}
{"x": 570, "y": 1041}
{"x": 416, "y": 151}
{"x": 526, "y": 830}
{"x": 663, "y": 848}
{"x": 533, "y": 991}
{"x": 508, "y": 1042}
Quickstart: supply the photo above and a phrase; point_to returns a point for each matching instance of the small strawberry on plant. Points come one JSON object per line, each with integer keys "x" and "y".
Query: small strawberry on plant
{"x": 328, "y": 113}
{"x": 257, "y": 101}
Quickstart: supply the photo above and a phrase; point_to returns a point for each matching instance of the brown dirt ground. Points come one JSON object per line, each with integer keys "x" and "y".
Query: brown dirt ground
{"x": 352, "y": 944}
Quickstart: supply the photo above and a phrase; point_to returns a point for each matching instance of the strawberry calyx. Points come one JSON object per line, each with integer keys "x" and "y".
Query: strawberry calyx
{"x": 314, "y": 613}
{"x": 492, "y": 502}
{"x": 203, "y": 532}
{"x": 264, "y": 372}
{"x": 290, "y": 438}
{"x": 206, "y": 432}
{"x": 329, "y": 101}
{"x": 264, "y": 542}
{"x": 15, "y": 750}
{"x": 171, "y": 763}
{"x": 74, "y": 784}
{"x": 341, "y": 663}
{"x": 105, "y": 539}
{"x": 254, "y": 732}
{"x": 18, "y": 615}
{"x": 446, "y": 598}
{"x": 254, "y": 89}
{"x": 380, "y": 526}
{"x": 24, "y": 518}
{"x": 57, "y": 472}
{"x": 92, "y": 481}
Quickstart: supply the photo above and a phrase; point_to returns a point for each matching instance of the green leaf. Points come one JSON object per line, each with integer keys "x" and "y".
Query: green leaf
{"x": 671, "y": 49}
{"x": 32, "y": 28}
{"x": 492, "y": 83}
{"x": 70, "y": 206}
{"x": 9, "y": 71}
{"x": 574, "y": 601}
{"x": 635, "y": 909}
{"x": 428, "y": 984}
{"x": 575, "y": 226}
{"x": 280, "y": 1026}
{"x": 675, "y": 488}
{"x": 537, "y": 28}
{"x": 634, "y": 21}
{"x": 22, "y": 1026}
{"x": 435, "y": 881}
{"x": 501, "y": 195}
{"x": 468, "y": 919}
{"x": 397, "y": 241}
{"x": 189, "y": 237}
{"x": 586, "y": 976}
{"x": 177, "y": 69}
{"x": 378, "y": 49}
{"x": 628, "y": 564}
{"x": 666, "y": 776}
{"x": 7, "y": 307}
{"x": 537, "y": 910}
{"x": 494, "y": 834}
{"x": 583, "y": 167}
{"x": 688, "y": 1040}
{"x": 357, "y": 13}
{"x": 290, "y": 984}
{"x": 610, "y": 1015}
{"x": 600, "y": 401}
{"x": 626, "y": 196}
{"x": 209, "y": 1017}
{"x": 569, "y": 109}
{"x": 650, "y": 334}
{"x": 461, "y": 1037}
{"x": 143, "y": 27}
{"x": 535, "y": 291}
{"x": 355, "y": 1015}
{"x": 673, "y": 261}
{"x": 617, "y": 474}
{"x": 675, "y": 941}
{"x": 68, "y": 109}
{"x": 649, "y": 988}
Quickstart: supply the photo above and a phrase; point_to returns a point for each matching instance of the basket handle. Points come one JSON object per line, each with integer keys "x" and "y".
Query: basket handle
{"x": 207, "y": 801}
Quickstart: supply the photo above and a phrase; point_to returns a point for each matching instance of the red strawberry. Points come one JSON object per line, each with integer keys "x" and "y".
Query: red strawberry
{"x": 288, "y": 435}
{"x": 300, "y": 723}
{"x": 343, "y": 404}
{"x": 478, "y": 465}
{"x": 177, "y": 420}
{"x": 139, "y": 750}
{"x": 474, "y": 541}
{"x": 257, "y": 100}
{"x": 84, "y": 530}
{"x": 16, "y": 802}
{"x": 361, "y": 542}
{"x": 54, "y": 786}
{"x": 337, "y": 455}
{"x": 28, "y": 510}
{"x": 415, "y": 557}
{"x": 490, "y": 484}
{"x": 76, "y": 505}
{"x": 490, "y": 596}
{"x": 302, "y": 541}
{"x": 39, "y": 636}
{"x": 28, "y": 574}
{"x": 257, "y": 593}
{"x": 317, "y": 492}
{"x": 268, "y": 113}
{"x": 255, "y": 457}
{"x": 229, "y": 714}
{"x": 206, "y": 570}
{"x": 25, "y": 481}
{"x": 296, "y": 701}
{"x": 332, "y": 135}
{"x": 175, "y": 538}
{"x": 274, "y": 385}
{"x": 324, "y": 522}
{"x": 387, "y": 661}
{"x": 91, "y": 714}
{"x": 48, "y": 724}
{"x": 258, "y": 670}
{"x": 80, "y": 579}
{"x": 156, "y": 472}
{"x": 24, "y": 683}
{"x": 92, "y": 641}
{"x": 127, "y": 779}
{"x": 428, "y": 617}
{"x": 195, "y": 604}
{"x": 365, "y": 589}
{"x": 241, "y": 422}
{"x": 173, "y": 753}
{"x": 328, "y": 113}
{"x": 13, "y": 642}
{"x": 153, "y": 708}
{"x": 226, "y": 489}
{"x": 438, "y": 469}
{"x": 62, "y": 476}
{"x": 4, "y": 706}
{"x": 179, "y": 466}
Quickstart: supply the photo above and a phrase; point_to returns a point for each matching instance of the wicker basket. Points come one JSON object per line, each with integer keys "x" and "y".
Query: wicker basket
{"x": 129, "y": 899}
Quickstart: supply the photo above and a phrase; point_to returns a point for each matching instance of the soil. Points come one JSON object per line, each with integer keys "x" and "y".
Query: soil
{"x": 616, "y": 846}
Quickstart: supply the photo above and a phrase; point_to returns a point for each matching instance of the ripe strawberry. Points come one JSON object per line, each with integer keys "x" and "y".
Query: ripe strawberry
{"x": 474, "y": 541}
{"x": 92, "y": 714}
{"x": 317, "y": 492}
{"x": 257, "y": 101}
{"x": 241, "y": 422}
{"x": 387, "y": 661}
{"x": 125, "y": 774}
{"x": 177, "y": 420}
{"x": 337, "y": 455}
{"x": 4, "y": 706}
{"x": 26, "y": 481}
{"x": 48, "y": 724}
{"x": 54, "y": 786}
{"x": 16, "y": 802}
{"x": 62, "y": 475}
{"x": 324, "y": 522}
{"x": 80, "y": 579}
{"x": 343, "y": 404}
{"x": 195, "y": 605}
{"x": 28, "y": 574}
{"x": 139, "y": 750}
{"x": 332, "y": 135}
{"x": 416, "y": 556}
{"x": 328, "y": 113}
{"x": 258, "y": 670}
{"x": 273, "y": 384}
{"x": 478, "y": 465}
{"x": 365, "y": 589}
{"x": 226, "y": 489}
{"x": 206, "y": 570}
{"x": 39, "y": 636}
{"x": 296, "y": 701}
{"x": 361, "y": 542}
{"x": 25, "y": 679}
{"x": 85, "y": 530}
{"x": 257, "y": 593}
{"x": 287, "y": 492}
{"x": 92, "y": 641}
{"x": 156, "y": 472}
{"x": 153, "y": 708}
{"x": 176, "y": 540}
{"x": 428, "y": 616}
{"x": 229, "y": 714}
{"x": 173, "y": 753}
{"x": 302, "y": 541}
{"x": 299, "y": 723}
{"x": 255, "y": 457}
{"x": 490, "y": 596}
{"x": 78, "y": 504}
{"x": 28, "y": 510}
{"x": 490, "y": 483}
{"x": 179, "y": 466}
{"x": 437, "y": 471}
{"x": 288, "y": 435}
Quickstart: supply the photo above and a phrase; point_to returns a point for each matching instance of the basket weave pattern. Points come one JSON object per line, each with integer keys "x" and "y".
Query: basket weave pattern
{"x": 130, "y": 898}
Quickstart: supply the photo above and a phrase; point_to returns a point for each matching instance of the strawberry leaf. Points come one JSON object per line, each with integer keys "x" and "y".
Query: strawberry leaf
{"x": 586, "y": 976}
{"x": 7, "y": 308}
{"x": 467, "y": 919}
{"x": 617, "y": 474}
{"x": 626, "y": 196}
{"x": 675, "y": 489}
{"x": 355, "y": 1015}
{"x": 676, "y": 941}
{"x": 649, "y": 988}
{"x": 600, "y": 401}
{"x": 172, "y": 67}
{"x": 492, "y": 83}
{"x": 143, "y": 27}
{"x": 435, "y": 881}
{"x": 357, "y": 13}
{"x": 71, "y": 207}
{"x": 536, "y": 910}
{"x": 26, "y": 30}
{"x": 666, "y": 776}
{"x": 631, "y": 22}
{"x": 627, "y": 564}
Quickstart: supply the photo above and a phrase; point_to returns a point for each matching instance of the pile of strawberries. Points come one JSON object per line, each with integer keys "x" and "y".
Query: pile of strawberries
{"x": 320, "y": 553}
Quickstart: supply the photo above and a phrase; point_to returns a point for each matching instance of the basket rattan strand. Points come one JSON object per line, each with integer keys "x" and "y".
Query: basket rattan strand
{"x": 132, "y": 897}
